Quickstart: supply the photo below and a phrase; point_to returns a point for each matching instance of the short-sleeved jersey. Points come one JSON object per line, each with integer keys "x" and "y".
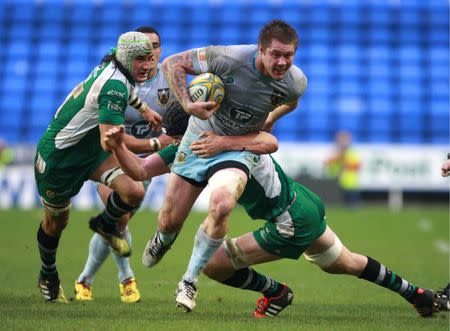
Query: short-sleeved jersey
{"x": 156, "y": 94}
{"x": 268, "y": 192}
{"x": 73, "y": 138}
{"x": 249, "y": 95}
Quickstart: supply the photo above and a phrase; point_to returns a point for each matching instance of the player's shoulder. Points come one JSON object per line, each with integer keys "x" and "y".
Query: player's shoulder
{"x": 298, "y": 78}
{"x": 234, "y": 52}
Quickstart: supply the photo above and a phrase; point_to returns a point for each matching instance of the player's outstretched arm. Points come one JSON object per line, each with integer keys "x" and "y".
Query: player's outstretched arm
{"x": 175, "y": 68}
{"x": 130, "y": 163}
{"x": 211, "y": 144}
{"x": 276, "y": 114}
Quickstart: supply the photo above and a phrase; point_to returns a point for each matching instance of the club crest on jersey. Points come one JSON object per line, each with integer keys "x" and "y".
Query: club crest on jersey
{"x": 277, "y": 98}
{"x": 181, "y": 157}
{"x": 163, "y": 95}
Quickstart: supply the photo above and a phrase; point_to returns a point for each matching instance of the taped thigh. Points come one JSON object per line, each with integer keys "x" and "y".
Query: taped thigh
{"x": 238, "y": 257}
{"x": 233, "y": 182}
{"x": 56, "y": 210}
{"x": 328, "y": 257}
{"x": 109, "y": 175}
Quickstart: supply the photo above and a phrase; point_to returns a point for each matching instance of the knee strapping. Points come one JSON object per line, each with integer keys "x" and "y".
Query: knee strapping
{"x": 109, "y": 175}
{"x": 55, "y": 210}
{"x": 327, "y": 258}
{"x": 228, "y": 179}
{"x": 237, "y": 256}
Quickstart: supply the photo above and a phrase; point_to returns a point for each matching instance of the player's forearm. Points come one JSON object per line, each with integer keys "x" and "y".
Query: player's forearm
{"x": 282, "y": 110}
{"x": 141, "y": 145}
{"x": 130, "y": 163}
{"x": 257, "y": 142}
{"x": 175, "y": 68}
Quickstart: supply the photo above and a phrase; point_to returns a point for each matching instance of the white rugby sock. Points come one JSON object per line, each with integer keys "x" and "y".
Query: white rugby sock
{"x": 123, "y": 263}
{"x": 204, "y": 249}
{"x": 98, "y": 252}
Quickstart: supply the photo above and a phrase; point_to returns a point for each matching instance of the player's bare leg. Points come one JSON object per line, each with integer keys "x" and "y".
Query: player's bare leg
{"x": 226, "y": 186}
{"x": 178, "y": 201}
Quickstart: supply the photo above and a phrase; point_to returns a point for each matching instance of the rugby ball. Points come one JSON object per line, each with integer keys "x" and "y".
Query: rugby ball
{"x": 206, "y": 87}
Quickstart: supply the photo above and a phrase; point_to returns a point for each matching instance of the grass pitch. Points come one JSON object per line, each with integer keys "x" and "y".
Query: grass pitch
{"x": 413, "y": 243}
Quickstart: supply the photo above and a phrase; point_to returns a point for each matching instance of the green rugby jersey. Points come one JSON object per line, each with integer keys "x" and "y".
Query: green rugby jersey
{"x": 73, "y": 138}
{"x": 268, "y": 192}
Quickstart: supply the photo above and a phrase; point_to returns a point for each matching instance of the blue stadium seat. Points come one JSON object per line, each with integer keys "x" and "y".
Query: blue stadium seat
{"x": 320, "y": 15}
{"x": 410, "y": 106}
{"x": 52, "y": 12}
{"x": 13, "y": 84}
{"x": 378, "y": 71}
{"x": 260, "y": 16}
{"x": 49, "y": 50}
{"x": 46, "y": 68}
{"x": 379, "y": 105}
{"x": 349, "y": 87}
{"x": 22, "y": 13}
{"x": 380, "y": 34}
{"x": 45, "y": 82}
{"x": 315, "y": 135}
{"x": 318, "y": 52}
{"x": 82, "y": 14}
{"x": 410, "y": 90}
{"x": 440, "y": 105}
{"x": 377, "y": 90}
{"x": 20, "y": 30}
{"x": 51, "y": 31}
{"x": 35, "y": 132}
{"x": 43, "y": 109}
{"x": 409, "y": 16}
{"x": 408, "y": 54}
{"x": 349, "y": 121}
{"x": 110, "y": 14}
{"x": 349, "y": 70}
{"x": 229, "y": 34}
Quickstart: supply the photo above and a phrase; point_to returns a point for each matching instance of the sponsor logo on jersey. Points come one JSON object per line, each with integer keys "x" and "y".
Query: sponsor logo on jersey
{"x": 116, "y": 93}
{"x": 140, "y": 129}
{"x": 278, "y": 98}
{"x": 240, "y": 115}
{"x": 114, "y": 106}
{"x": 163, "y": 95}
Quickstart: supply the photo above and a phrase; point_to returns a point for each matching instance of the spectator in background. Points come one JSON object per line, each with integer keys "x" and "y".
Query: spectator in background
{"x": 445, "y": 169}
{"x": 344, "y": 165}
{"x": 6, "y": 154}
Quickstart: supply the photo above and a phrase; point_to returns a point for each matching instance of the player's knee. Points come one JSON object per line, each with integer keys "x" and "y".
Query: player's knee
{"x": 329, "y": 260}
{"x": 133, "y": 194}
{"x": 168, "y": 220}
{"x": 221, "y": 203}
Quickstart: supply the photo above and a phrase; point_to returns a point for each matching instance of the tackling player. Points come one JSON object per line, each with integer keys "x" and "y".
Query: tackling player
{"x": 295, "y": 225}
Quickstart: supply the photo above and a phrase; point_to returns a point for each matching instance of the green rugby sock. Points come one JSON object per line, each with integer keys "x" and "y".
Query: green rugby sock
{"x": 249, "y": 279}
{"x": 47, "y": 250}
{"x": 377, "y": 273}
